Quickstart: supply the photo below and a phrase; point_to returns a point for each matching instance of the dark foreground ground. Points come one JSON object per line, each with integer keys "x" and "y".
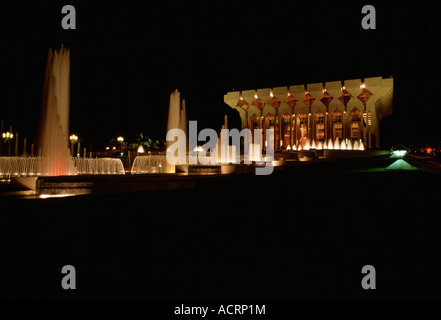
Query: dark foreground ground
{"x": 305, "y": 232}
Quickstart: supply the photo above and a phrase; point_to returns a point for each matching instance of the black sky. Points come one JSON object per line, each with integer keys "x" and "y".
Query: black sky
{"x": 126, "y": 58}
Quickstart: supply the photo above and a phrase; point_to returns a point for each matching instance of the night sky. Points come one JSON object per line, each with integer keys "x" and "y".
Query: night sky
{"x": 127, "y": 57}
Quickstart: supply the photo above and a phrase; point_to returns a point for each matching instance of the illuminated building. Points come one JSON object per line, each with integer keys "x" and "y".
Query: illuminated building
{"x": 338, "y": 113}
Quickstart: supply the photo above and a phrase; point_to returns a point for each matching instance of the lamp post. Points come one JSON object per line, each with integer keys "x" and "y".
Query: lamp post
{"x": 120, "y": 140}
{"x": 7, "y": 137}
{"x": 73, "y": 139}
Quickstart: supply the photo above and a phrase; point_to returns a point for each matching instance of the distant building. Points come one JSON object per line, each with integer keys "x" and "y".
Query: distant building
{"x": 347, "y": 111}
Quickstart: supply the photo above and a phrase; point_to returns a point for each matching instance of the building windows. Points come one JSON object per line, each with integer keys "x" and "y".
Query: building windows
{"x": 269, "y": 125}
{"x": 286, "y": 131}
{"x": 303, "y": 125}
{"x": 254, "y": 124}
{"x": 319, "y": 126}
{"x": 302, "y": 130}
{"x": 355, "y": 124}
{"x": 337, "y": 124}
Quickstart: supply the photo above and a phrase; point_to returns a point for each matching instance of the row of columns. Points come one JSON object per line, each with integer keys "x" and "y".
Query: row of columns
{"x": 311, "y": 127}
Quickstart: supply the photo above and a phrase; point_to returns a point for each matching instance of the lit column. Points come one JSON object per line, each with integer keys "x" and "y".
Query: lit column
{"x": 326, "y": 100}
{"x": 344, "y": 99}
{"x": 296, "y": 136}
{"x": 364, "y": 125}
{"x": 369, "y": 123}
{"x": 291, "y": 102}
{"x": 291, "y": 129}
{"x": 309, "y": 100}
{"x": 364, "y": 97}
{"x": 24, "y": 147}
{"x": 262, "y": 130}
{"x": 16, "y": 144}
{"x": 308, "y": 130}
{"x": 9, "y": 137}
{"x": 259, "y": 104}
{"x": 275, "y": 103}
{"x": 1, "y": 140}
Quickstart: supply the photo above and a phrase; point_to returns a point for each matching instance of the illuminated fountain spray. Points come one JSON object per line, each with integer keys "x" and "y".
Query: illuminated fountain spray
{"x": 336, "y": 144}
{"x": 99, "y": 166}
{"x": 55, "y": 115}
{"x": 177, "y": 119}
{"x": 21, "y": 166}
{"x": 356, "y": 145}
{"x": 343, "y": 145}
{"x": 149, "y": 164}
{"x": 55, "y": 158}
{"x": 319, "y": 146}
{"x": 330, "y": 144}
{"x": 307, "y": 146}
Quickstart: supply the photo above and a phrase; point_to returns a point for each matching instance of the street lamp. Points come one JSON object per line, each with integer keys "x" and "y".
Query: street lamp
{"x": 8, "y": 136}
{"x": 73, "y": 139}
{"x": 120, "y": 140}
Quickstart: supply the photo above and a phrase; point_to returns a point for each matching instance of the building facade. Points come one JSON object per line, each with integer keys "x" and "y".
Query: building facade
{"x": 301, "y": 116}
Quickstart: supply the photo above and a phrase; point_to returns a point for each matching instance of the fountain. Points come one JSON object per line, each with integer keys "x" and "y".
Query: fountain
{"x": 21, "y": 167}
{"x": 177, "y": 119}
{"x": 55, "y": 126}
{"x": 54, "y": 159}
{"x": 90, "y": 166}
{"x": 336, "y": 144}
{"x": 55, "y": 114}
{"x": 319, "y": 146}
{"x": 330, "y": 145}
{"x": 149, "y": 164}
{"x": 343, "y": 145}
{"x": 356, "y": 145}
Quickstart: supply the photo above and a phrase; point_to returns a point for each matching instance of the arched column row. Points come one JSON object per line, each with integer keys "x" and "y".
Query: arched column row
{"x": 298, "y": 128}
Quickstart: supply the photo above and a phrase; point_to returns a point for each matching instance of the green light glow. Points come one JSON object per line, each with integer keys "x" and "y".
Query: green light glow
{"x": 400, "y": 153}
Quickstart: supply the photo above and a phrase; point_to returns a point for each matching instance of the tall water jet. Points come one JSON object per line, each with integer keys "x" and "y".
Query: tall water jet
{"x": 356, "y": 145}
{"x": 330, "y": 144}
{"x": 319, "y": 146}
{"x": 307, "y": 147}
{"x": 336, "y": 144}
{"x": 177, "y": 119}
{"x": 54, "y": 129}
{"x": 343, "y": 145}
{"x": 183, "y": 122}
